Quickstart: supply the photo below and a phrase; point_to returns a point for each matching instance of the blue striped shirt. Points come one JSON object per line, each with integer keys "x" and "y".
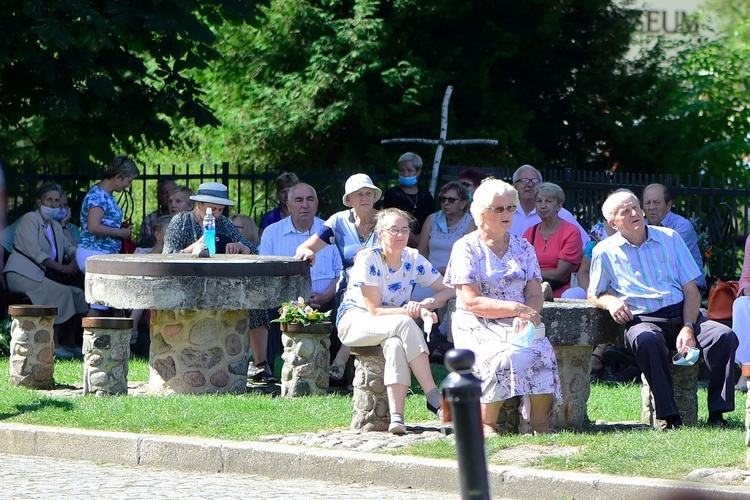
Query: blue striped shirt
{"x": 282, "y": 239}
{"x": 646, "y": 277}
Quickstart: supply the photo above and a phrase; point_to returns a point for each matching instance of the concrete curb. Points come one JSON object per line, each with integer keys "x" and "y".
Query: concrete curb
{"x": 307, "y": 463}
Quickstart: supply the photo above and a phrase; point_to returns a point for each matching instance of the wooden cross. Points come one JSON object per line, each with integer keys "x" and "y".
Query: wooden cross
{"x": 441, "y": 142}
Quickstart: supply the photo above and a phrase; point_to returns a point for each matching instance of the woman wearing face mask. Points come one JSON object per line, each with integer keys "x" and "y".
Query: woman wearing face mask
{"x": 40, "y": 244}
{"x": 408, "y": 196}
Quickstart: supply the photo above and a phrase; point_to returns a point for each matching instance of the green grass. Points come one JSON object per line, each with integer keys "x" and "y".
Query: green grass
{"x": 640, "y": 452}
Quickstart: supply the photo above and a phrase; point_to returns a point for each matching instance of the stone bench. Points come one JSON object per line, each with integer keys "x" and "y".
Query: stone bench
{"x": 106, "y": 355}
{"x": 369, "y": 397}
{"x": 573, "y": 327}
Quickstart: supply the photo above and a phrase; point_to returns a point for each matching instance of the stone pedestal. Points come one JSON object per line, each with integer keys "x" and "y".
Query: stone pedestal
{"x": 32, "y": 349}
{"x": 573, "y": 367}
{"x": 685, "y": 380}
{"x": 198, "y": 351}
{"x": 106, "y": 355}
{"x": 199, "y": 309}
{"x": 369, "y": 397}
{"x": 306, "y": 359}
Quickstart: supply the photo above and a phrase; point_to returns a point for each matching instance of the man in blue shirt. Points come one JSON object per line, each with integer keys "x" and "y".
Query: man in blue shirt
{"x": 657, "y": 203}
{"x": 645, "y": 277}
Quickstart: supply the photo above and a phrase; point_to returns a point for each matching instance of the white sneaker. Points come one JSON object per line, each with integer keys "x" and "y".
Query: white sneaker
{"x": 397, "y": 428}
{"x": 252, "y": 370}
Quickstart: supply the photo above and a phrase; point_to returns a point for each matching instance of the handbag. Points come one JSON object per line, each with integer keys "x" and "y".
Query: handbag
{"x": 77, "y": 280}
{"x": 720, "y": 299}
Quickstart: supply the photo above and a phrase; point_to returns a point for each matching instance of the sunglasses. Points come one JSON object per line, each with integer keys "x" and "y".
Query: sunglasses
{"x": 449, "y": 200}
{"x": 467, "y": 184}
{"x": 499, "y": 210}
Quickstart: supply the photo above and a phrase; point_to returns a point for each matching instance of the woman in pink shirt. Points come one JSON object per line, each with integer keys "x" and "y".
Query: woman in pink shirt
{"x": 557, "y": 243}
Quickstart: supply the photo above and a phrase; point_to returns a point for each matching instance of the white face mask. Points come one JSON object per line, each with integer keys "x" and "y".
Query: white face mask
{"x": 53, "y": 213}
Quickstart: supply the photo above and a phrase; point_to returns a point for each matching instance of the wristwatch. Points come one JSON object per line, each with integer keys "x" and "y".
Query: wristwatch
{"x": 689, "y": 324}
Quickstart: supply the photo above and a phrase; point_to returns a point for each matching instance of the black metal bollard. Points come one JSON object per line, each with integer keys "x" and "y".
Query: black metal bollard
{"x": 462, "y": 391}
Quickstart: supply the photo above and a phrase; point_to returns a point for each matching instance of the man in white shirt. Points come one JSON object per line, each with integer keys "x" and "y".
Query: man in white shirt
{"x": 282, "y": 239}
{"x": 525, "y": 179}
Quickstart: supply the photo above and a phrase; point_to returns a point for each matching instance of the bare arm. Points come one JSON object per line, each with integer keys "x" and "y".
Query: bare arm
{"x": 690, "y": 307}
{"x": 486, "y": 307}
{"x": 424, "y": 241}
{"x": 308, "y": 249}
{"x": 561, "y": 273}
{"x": 95, "y": 226}
{"x": 318, "y": 299}
{"x": 583, "y": 273}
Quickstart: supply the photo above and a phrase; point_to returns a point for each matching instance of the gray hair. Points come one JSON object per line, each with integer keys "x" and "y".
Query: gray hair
{"x": 46, "y": 188}
{"x": 609, "y": 207}
{"x": 414, "y": 158}
{"x": 298, "y": 185}
{"x": 122, "y": 165}
{"x": 485, "y": 194}
{"x": 550, "y": 189}
{"x": 522, "y": 167}
{"x": 387, "y": 212}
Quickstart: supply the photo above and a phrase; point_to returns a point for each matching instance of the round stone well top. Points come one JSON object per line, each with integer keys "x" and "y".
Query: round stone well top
{"x": 180, "y": 281}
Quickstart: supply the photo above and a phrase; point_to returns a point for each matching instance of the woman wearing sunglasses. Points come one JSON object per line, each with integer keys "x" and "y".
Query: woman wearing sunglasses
{"x": 377, "y": 309}
{"x": 557, "y": 242}
{"x": 499, "y": 294}
{"x": 443, "y": 228}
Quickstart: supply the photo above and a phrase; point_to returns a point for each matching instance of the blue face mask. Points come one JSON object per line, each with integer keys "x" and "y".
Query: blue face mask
{"x": 525, "y": 337}
{"x": 407, "y": 181}
{"x": 686, "y": 358}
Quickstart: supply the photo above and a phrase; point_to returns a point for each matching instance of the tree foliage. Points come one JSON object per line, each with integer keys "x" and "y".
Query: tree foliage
{"x": 80, "y": 77}
{"x": 326, "y": 80}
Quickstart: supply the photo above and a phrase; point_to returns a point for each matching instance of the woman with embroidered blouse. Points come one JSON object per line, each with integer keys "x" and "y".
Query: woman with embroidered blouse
{"x": 377, "y": 310}
{"x": 499, "y": 295}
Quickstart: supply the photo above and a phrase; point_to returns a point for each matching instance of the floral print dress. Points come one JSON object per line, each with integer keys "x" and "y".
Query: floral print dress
{"x": 506, "y": 370}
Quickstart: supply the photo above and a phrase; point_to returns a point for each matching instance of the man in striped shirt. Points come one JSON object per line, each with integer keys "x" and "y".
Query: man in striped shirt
{"x": 645, "y": 277}
{"x": 282, "y": 239}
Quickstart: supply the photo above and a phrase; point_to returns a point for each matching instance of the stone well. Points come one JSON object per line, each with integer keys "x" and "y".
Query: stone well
{"x": 200, "y": 306}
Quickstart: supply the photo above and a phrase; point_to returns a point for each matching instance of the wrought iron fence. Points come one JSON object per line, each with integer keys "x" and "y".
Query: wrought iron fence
{"x": 718, "y": 204}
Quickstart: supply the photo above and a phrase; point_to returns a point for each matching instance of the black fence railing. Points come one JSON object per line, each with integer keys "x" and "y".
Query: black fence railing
{"x": 719, "y": 205}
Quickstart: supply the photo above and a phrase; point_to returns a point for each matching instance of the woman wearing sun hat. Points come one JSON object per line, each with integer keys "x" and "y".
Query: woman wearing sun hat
{"x": 350, "y": 230}
{"x": 185, "y": 232}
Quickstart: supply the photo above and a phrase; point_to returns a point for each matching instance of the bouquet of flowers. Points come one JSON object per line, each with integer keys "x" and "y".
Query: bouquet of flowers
{"x": 297, "y": 311}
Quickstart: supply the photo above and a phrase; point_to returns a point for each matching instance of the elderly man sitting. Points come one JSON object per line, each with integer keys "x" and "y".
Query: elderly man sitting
{"x": 645, "y": 277}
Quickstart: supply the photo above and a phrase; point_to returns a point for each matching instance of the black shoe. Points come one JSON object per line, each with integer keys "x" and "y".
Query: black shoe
{"x": 718, "y": 421}
{"x": 265, "y": 374}
{"x": 674, "y": 422}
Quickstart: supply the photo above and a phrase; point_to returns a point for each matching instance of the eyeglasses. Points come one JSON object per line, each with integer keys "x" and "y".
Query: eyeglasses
{"x": 396, "y": 232}
{"x": 467, "y": 184}
{"x": 499, "y": 210}
{"x": 448, "y": 199}
{"x": 526, "y": 180}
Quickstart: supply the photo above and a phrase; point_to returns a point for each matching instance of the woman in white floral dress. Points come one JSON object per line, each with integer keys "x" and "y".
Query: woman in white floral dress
{"x": 498, "y": 290}
{"x": 377, "y": 310}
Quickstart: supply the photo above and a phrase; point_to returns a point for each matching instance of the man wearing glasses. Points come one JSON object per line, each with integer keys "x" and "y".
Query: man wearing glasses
{"x": 525, "y": 179}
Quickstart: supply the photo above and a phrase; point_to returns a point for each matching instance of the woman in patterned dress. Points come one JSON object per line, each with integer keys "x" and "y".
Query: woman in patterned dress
{"x": 377, "y": 310}
{"x": 102, "y": 227}
{"x": 499, "y": 288}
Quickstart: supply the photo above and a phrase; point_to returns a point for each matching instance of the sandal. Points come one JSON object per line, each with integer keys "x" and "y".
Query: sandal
{"x": 336, "y": 372}
{"x": 265, "y": 374}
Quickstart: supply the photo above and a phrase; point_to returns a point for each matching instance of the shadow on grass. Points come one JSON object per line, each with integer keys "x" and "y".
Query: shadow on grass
{"x": 39, "y": 405}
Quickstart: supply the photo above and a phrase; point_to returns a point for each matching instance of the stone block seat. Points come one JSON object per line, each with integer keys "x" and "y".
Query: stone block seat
{"x": 685, "y": 380}
{"x": 369, "y": 397}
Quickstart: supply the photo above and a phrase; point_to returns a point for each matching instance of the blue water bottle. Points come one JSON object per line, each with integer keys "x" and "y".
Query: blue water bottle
{"x": 209, "y": 231}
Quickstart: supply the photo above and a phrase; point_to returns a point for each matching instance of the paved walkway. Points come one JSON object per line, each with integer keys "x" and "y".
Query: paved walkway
{"x": 44, "y": 478}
